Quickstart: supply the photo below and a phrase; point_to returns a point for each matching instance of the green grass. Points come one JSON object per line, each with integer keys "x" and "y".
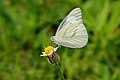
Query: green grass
{"x": 27, "y": 25}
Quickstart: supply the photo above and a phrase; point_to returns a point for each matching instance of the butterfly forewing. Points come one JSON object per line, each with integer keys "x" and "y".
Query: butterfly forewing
{"x": 77, "y": 13}
{"x": 74, "y": 13}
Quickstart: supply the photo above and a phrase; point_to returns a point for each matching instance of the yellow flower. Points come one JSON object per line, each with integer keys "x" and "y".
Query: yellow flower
{"x": 49, "y": 51}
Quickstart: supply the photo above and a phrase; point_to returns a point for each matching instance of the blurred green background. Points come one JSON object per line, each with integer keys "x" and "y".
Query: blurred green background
{"x": 27, "y": 25}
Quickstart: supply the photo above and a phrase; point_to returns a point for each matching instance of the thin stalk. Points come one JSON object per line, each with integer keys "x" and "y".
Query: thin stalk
{"x": 58, "y": 68}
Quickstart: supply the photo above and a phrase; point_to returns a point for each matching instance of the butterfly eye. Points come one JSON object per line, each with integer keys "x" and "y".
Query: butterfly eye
{"x": 52, "y": 38}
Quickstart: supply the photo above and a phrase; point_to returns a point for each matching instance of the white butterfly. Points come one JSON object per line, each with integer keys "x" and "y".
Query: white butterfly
{"x": 71, "y": 32}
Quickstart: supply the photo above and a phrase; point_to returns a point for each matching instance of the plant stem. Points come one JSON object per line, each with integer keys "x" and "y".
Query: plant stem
{"x": 57, "y": 66}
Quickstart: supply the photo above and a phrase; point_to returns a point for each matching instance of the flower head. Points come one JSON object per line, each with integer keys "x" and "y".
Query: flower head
{"x": 50, "y": 52}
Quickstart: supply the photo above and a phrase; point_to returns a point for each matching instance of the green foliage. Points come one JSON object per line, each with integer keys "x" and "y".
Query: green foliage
{"x": 27, "y": 25}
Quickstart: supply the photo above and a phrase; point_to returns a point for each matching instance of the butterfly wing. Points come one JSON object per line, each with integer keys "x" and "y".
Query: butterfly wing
{"x": 76, "y": 13}
{"x": 71, "y": 32}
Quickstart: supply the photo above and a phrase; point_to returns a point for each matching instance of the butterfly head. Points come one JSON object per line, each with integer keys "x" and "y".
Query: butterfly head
{"x": 55, "y": 39}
